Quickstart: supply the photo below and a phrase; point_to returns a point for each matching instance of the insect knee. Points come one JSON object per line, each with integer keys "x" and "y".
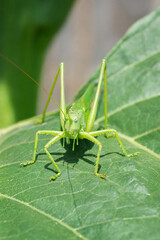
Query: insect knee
{"x": 110, "y": 134}
{"x": 45, "y": 148}
{"x": 100, "y": 147}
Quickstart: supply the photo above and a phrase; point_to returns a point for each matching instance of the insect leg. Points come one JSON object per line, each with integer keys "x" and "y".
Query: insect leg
{"x": 93, "y": 111}
{"x": 105, "y": 95}
{"x": 36, "y": 143}
{"x": 52, "y": 141}
{"x": 94, "y": 140}
{"x": 63, "y": 105}
{"x": 112, "y": 133}
{"x": 61, "y": 71}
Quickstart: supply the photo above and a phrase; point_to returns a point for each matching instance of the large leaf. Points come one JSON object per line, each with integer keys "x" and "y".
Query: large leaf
{"x": 26, "y": 27}
{"x": 125, "y": 205}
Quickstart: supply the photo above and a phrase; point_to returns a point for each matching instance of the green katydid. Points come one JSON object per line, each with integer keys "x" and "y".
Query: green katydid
{"x": 78, "y": 121}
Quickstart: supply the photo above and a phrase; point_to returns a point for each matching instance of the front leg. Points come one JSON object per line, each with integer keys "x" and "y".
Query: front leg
{"x": 52, "y": 141}
{"x": 36, "y": 143}
{"x": 113, "y": 133}
{"x": 94, "y": 140}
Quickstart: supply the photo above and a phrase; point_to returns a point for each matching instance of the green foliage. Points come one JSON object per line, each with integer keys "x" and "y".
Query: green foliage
{"x": 26, "y": 29}
{"x": 79, "y": 205}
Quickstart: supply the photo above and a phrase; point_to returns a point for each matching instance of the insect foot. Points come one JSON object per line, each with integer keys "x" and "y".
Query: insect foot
{"x": 100, "y": 175}
{"x": 38, "y": 122}
{"x": 27, "y": 163}
{"x": 132, "y": 154}
{"x": 55, "y": 177}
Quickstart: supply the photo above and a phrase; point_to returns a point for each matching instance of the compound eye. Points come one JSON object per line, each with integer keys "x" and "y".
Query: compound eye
{"x": 75, "y": 119}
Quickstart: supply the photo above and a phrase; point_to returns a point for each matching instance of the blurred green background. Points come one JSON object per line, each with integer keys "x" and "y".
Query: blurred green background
{"x": 26, "y": 28}
{"x": 30, "y": 37}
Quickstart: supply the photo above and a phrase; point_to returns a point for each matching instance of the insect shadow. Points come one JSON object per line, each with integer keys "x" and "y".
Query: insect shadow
{"x": 73, "y": 157}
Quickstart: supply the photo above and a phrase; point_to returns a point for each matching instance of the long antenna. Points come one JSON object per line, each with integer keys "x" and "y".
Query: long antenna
{"x": 14, "y": 64}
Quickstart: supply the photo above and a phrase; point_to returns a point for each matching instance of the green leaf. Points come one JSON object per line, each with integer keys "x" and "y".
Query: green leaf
{"x": 27, "y": 27}
{"x": 79, "y": 205}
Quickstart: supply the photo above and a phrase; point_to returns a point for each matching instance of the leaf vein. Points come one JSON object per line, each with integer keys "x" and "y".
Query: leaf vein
{"x": 45, "y": 214}
{"x": 146, "y": 133}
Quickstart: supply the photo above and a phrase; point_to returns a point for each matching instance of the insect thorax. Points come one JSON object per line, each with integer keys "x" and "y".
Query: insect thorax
{"x": 74, "y": 122}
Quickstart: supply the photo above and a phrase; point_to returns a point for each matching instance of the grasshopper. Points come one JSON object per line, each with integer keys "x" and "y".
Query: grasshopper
{"x": 78, "y": 120}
